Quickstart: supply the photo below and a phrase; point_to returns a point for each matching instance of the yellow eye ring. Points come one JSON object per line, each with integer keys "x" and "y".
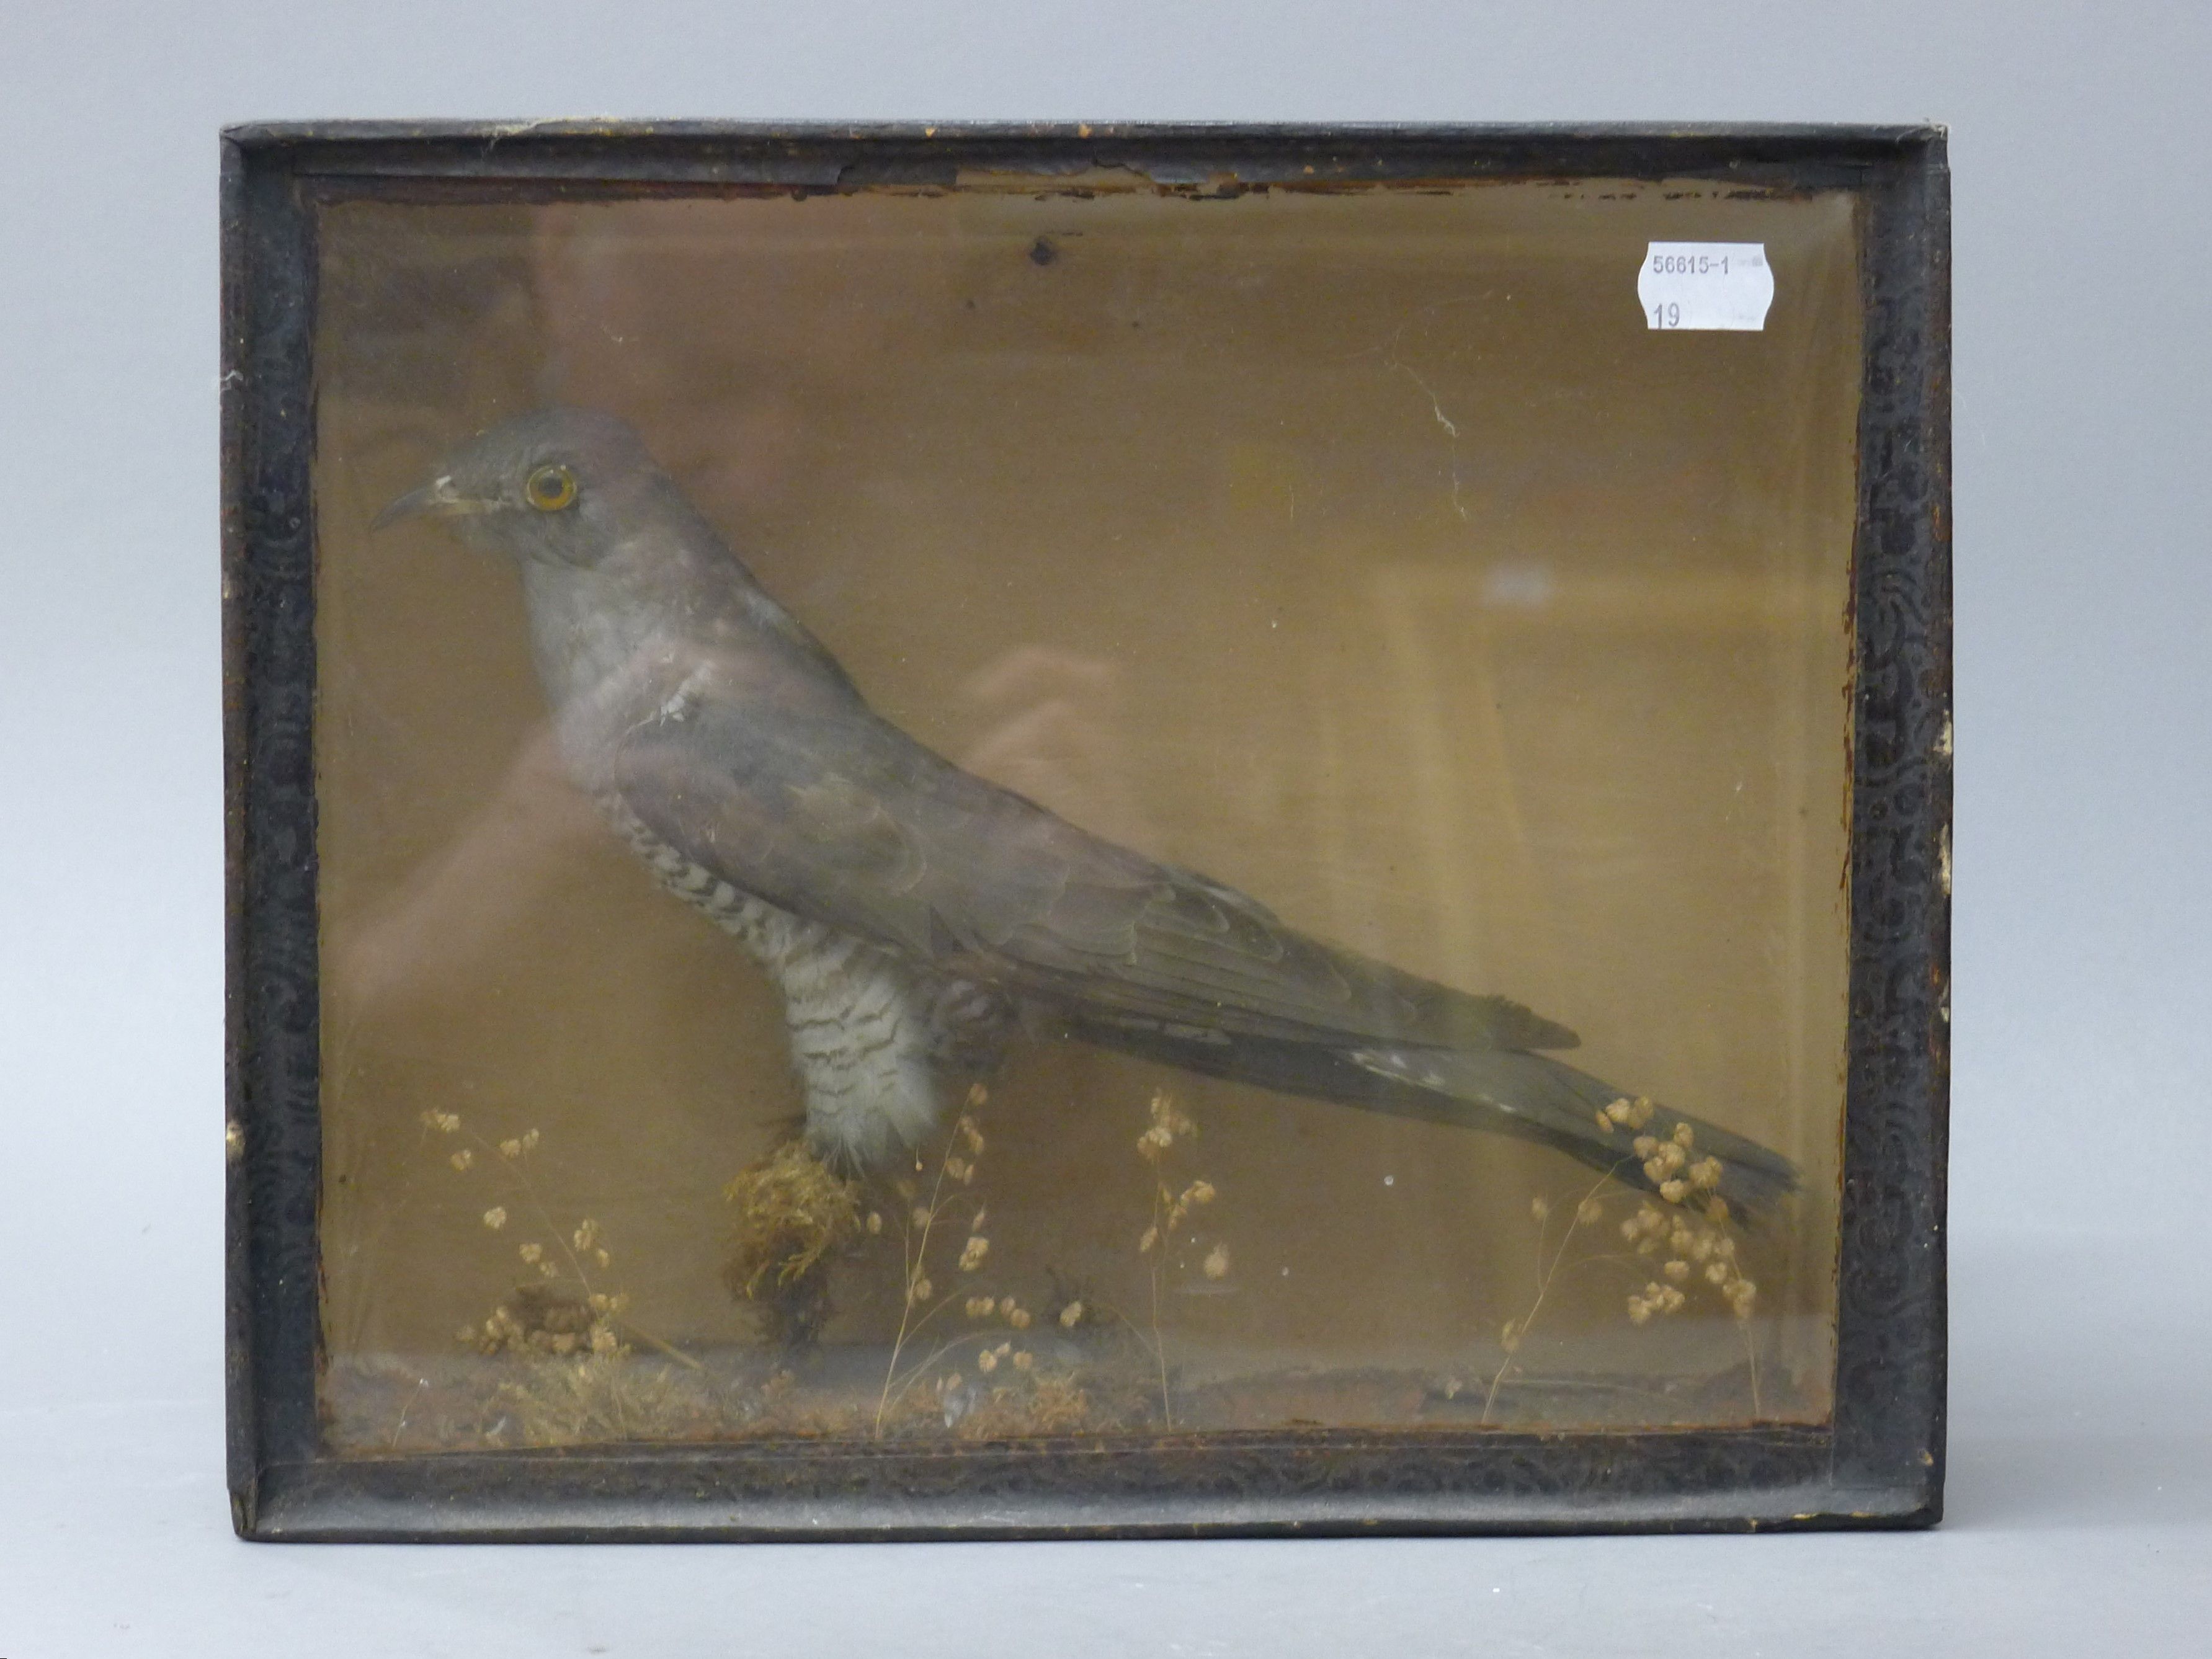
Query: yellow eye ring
{"x": 550, "y": 488}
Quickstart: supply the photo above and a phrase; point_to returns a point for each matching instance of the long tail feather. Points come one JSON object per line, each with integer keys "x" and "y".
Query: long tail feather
{"x": 1504, "y": 1091}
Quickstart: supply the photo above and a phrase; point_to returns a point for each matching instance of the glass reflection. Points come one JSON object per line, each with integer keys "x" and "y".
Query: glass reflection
{"x": 1363, "y": 552}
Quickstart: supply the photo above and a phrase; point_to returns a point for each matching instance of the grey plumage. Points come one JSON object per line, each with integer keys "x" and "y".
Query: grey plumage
{"x": 912, "y": 912}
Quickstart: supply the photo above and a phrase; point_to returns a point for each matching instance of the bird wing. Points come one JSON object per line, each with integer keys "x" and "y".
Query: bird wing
{"x": 839, "y": 817}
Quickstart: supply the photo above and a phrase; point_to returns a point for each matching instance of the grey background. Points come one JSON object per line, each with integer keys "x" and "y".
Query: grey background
{"x": 2081, "y": 1467}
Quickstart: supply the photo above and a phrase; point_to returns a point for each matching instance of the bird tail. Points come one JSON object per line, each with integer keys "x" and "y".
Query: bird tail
{"x": 1644, "y": 1144}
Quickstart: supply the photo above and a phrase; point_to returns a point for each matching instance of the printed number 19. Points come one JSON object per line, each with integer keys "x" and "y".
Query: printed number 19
{"x": 1667, "y": 316}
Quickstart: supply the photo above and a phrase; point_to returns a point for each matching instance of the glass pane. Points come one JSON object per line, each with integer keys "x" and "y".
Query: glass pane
{"x": 1362, "y": 550}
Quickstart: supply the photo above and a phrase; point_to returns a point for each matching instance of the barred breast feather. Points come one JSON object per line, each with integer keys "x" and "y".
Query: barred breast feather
{"x": 872, "y": 1035}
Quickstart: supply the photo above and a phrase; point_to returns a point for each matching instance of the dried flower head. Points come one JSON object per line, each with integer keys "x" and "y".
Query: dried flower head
{"x": 1070, "y": 1316}
{"x": 1215, "y": 1265}
{"x": 512, "y": 1148}
{"x": 1019, "y": 1318}
{"x": 533, "y": 1252}
{"x": 495, "y": 1216}
{"x": 973, "y": 1252}
{"x": 462, "y": 1160}
{"x": 1589, "y": 1212}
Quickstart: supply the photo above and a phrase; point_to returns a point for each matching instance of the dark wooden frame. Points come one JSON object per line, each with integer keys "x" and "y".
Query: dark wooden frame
{"x": 1879, "y": 1462}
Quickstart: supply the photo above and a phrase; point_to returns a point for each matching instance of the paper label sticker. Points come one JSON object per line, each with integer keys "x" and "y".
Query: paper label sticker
{"x": 1705, "y": 285}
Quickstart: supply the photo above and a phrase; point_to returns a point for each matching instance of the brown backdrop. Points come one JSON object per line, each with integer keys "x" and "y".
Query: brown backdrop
{"x": 1364, "y": 550}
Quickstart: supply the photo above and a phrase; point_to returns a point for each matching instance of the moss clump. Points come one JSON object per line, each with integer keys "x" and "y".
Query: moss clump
{"x": 792, "y": 1210}
{"x": 601, "y": 1397}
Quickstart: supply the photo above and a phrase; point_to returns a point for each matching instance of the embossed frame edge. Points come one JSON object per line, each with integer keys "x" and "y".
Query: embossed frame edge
{"x": 1879, "y": 1462}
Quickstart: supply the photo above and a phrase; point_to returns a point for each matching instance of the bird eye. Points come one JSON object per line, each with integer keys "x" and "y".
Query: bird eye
{"x": 550, "y": 488}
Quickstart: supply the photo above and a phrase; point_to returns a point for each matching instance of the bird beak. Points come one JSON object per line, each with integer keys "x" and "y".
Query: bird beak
{"x": 436, "y": 499}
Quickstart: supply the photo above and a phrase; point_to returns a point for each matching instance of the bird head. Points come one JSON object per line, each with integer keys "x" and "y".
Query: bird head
{"x": 550, "y": 486}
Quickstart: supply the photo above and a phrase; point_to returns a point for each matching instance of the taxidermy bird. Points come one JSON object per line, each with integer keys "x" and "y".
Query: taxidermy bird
{"x": 912, "y": 914}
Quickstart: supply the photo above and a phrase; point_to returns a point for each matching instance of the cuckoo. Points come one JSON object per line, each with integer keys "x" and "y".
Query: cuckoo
{"x": 914, "y": 916}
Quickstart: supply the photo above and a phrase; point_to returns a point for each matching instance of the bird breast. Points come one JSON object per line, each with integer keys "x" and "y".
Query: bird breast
{"x": 870, "y": 1032}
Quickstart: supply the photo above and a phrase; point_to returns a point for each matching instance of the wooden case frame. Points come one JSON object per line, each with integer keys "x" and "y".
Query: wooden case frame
{"x": 1878, "y": 1461}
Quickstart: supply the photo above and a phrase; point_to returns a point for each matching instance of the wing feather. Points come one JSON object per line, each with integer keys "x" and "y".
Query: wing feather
{"x": 839, "y": 817}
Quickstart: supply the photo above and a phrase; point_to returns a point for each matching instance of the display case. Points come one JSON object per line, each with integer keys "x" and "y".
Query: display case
{"x": 986, "y": 831}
